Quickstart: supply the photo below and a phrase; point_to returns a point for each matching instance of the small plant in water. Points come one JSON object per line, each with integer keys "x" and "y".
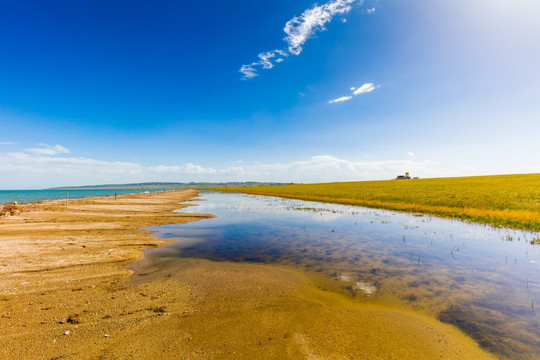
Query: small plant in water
{"x": 535, "y": 241}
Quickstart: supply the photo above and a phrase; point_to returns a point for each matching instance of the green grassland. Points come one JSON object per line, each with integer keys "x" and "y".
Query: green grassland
{"x": 502, "y": 200}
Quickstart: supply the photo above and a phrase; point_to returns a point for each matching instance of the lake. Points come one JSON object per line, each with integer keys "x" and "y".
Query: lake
{"x": 23, "y": 196}
{"x": 481, "y": 279}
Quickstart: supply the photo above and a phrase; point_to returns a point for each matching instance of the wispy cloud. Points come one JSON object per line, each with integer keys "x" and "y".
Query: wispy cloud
{"x": 7, "y": 143}
{"x": 265, "y": 61}
{"x": 366, "y": 88}
{"x": 46, "y": 149}
{"x": 369, "y": 87}
{"x": 249, "y": 71}
{"x": 326, "y": 168}
{"x": 186, "y": 169}
{"x": 370, "y": 11}
{"x": 266, "y": 58}
{"x": 298, "y": 30}
{"x": 28, "y": 170}
{"x": 411, "y": 154}
{"x": 341, "y": 99}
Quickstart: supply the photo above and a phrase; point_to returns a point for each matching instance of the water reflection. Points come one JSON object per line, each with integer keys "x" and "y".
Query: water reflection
{"x": 481, "y": 279}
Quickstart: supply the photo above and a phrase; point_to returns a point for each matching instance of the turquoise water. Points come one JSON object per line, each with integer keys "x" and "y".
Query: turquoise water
{"x": 23, "y": 196}
{"x": 481, "y": 279}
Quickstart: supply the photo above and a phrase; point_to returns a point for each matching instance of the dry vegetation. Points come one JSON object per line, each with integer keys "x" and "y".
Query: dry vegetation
{"x": 504, "y": 200}
{"x": 10, "y": 209}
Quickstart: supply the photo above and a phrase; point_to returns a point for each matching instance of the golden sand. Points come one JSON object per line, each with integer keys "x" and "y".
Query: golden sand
{"x": 65, "y": 293}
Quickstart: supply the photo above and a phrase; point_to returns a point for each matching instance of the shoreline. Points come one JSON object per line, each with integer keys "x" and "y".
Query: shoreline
{"x": 48, "y": 236}
{"x": 97, "y": 193}
{"x": 501, "y": 201}
{"x": 66, "y": 293}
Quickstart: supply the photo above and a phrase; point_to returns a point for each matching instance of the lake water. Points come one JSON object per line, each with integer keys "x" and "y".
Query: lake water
{"x": 483, "y": 280}
{"x": 23, "y": 196}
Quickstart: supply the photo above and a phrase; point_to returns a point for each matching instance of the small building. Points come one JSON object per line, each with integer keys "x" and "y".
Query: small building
{"x": 403, "y": 177}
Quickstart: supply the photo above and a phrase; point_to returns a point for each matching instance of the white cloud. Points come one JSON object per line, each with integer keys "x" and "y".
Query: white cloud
{"x": 7, "y": 143}
{"x": 298, "y": 30}
{"x": 265, "y": 58}
{"x": 316, "y": 169}
{"x": 325, "y": 168}
{"x": 20, "y": 170}
{"x": 371, "y": 11}
{"x": 369, "y": 87}
{"x": 411, "y": 154}
{"x": 249, "y": 71}
{"x": 341, "y": 99}
{"x": 366, "y": 88}
{"x": 46, "y": 149}
{"x": 265, "y": 61}
{"x": 189, "y": 169}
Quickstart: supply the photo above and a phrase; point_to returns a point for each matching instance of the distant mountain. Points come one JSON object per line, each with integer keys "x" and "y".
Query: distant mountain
{"x": 162, "y": 185}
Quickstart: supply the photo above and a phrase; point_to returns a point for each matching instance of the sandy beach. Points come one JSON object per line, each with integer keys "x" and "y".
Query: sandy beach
{"x": 66, "y": 292}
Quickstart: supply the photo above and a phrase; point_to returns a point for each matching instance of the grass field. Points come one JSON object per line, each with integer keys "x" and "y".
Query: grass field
{"x": 503, "y": 200}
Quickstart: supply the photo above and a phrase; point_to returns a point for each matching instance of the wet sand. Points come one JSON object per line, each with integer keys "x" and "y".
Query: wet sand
{"x": 66, "y": 293}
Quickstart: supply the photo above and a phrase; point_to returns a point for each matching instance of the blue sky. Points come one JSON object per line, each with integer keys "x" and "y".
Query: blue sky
{"x": 96, "y": 92}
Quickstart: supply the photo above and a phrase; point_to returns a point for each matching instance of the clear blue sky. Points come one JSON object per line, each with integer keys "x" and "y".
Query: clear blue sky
{"x": 98, "y": 92}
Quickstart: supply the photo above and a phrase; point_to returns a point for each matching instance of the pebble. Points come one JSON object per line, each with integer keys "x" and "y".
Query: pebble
{"x": 106, "y": 335}
{"x": 66, "y": 332}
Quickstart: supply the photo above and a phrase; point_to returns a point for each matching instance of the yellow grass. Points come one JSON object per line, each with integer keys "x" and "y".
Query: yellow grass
{"x": 503, "y": 200}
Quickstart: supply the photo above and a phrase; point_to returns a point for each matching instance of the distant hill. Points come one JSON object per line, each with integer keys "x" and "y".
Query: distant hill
{"x": 163, "y": 185}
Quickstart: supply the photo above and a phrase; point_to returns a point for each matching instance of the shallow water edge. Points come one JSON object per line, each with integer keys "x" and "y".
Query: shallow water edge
{"x": 454, "y": 272}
